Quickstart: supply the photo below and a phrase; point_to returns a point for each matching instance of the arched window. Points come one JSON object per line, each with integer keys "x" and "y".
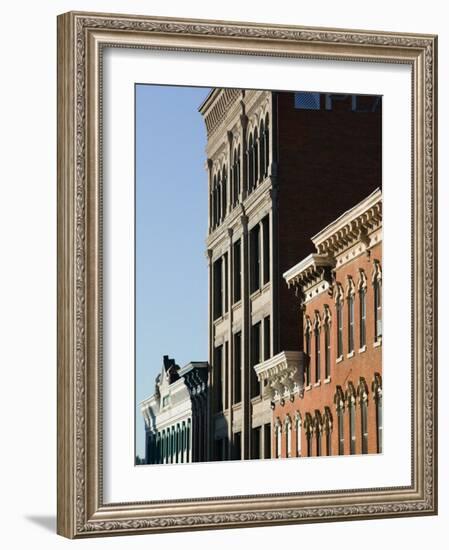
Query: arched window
{"x": 298, "y": 425}
{"x": 250, "y": 167}
{"x": 351, "y": 398}
{"x": 350, "y": 300}
{"x": 214, "y": 202}
{"x": 318, "y": 429}
{"x": 219, "y": 198}
{"x": 308, "y": 429}
{"x": 235, "y": 179}
{"x": 224, "y": 196}
{"x": 239, "y": 187}
{"x": 317, "y": 338}
{"x": 307, "y": 348}
{"x": 288, "y": 435}
{"x": 327, "y": 342}
{"x": 377, "y": 287}
{"x": 327, "y": 426}
{"x": 267, "y": 144}
{"x": 362, "y": 394}
{"x": 377, "y": 396}
{"x": 339, "y": 401}
{"x": 339, "y": 308}
{"x": 262, "y": 151}
{"x": 362, "y": 308}
{"x": 278, "y": 432}
{"x": 256, "y": 157}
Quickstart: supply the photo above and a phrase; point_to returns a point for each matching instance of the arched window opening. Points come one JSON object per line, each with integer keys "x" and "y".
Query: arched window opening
{"x": 377, "y": 286}
{"x": 318, "y": 429}
{"x": 339, "y": 401}
{"x": 327, "y": 425}
{"x": 362, "y": 393}
{"x": 317, "y": 338}
{"x": 288, "y": 436}
{"x": 278, "y": 432}
{"x": 262, "y": 151}
{"x": 327, "y": 343}
{"x": 377, "y": 396}
{"x": 250, "y": 167}
{"x": 362, "y": 309}
{"x": 308, "y": 429}
{"x": 339, "y": 309}
{"x": 298, "y": 434}
{"x": 267, "y": 145}
{"x": 224, "y": 195}
{"x": 256, "y": 158}
{"x": 351, "y": 398}
{"x": 350, "y": 297}
{"x": 307, "y": 348}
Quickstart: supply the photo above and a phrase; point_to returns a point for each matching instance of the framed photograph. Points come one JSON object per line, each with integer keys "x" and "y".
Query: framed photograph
{"x": 246, "y": 274}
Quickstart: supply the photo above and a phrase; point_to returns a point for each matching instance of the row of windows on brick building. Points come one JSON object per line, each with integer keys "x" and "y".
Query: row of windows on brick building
{"x": 319, "y": 329}
{"x": 318, "y": 428}
{"x": 257, "y": 158}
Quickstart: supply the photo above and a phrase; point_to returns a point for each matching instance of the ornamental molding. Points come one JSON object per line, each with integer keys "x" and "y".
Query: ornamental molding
{"x": 283, "y": 374}
{"x": 353, "y": 226}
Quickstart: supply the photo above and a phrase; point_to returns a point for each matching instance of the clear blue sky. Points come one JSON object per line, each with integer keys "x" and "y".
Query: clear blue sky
{"x": 171, "y": 227}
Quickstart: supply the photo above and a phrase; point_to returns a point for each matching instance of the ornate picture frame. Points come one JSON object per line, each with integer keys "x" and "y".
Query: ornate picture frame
{"x": 82, "y": 38}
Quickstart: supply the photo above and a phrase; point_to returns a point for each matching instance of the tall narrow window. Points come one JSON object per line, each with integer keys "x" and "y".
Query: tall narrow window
{"x": 262, "y": 151}
{"x": 288, "y": 436}
{"x": 377, "y": 310}
{"x": 266, "y": 338}
{"x": 250, "y": 167}
{"x": 308, "y": 429}
{"x": 225, "y": 279}
{"x": 318, "y": 433}
{"x": 255, "y": 258}
{"x": 364, "y": 424}
{"x": 328, "y": 430}
{"x": 317, "y": 353}
{"x": 377, "y": 395}
{"x": 218, "y": 288}
{"x": 255, "y": 358}
{"x": 239, "y": 187}
{"x": 352, "y": 434}
{"x": 327, "y": 350}
{"x": 219, "y": 198}
{"x": 266, "y": 249}
{"x": 224, "y": 378}
{"x": 307, "y": 346}
{"x": 362, "y": 301}
{"x": 237, "y": 272}
{"x": 237, "y": 374}
{"x": 339, "y": 328}
{"x": 256, "y": 157}
{"x": 298, "y": 434}
{"x": 267, "y": 144}
{"x": 278, "y": 439}
{"x": 218, "y": 377}
{"x": 350, "y": 322}
{"x": 224, "y": 191}
{"x": 341, "y": 432}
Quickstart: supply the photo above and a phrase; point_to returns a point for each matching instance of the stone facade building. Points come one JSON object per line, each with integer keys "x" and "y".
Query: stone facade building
{"x": 281, "y": 165}
{"x": 327, "y": 398}
{"x": 175, "y": 415}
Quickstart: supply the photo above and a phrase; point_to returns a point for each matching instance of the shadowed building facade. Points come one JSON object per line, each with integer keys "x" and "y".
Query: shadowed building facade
{"x": 281, "y": 165}
{"x": 176, "y": 414}
{"x": 327, "y": 398}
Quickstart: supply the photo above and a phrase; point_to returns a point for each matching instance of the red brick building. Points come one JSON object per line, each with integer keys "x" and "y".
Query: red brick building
{"x": 327, "y": 398}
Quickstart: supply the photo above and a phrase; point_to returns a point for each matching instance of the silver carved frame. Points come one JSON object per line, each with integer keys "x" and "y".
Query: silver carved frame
{"x": 81, "y": 38}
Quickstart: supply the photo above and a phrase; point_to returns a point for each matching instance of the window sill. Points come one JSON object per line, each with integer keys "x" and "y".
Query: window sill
{"x": 317, "y": 384}
{"x": 308, "y": 388}
{"x": 377, "y": 343}
{"x": 255, "y": 294}
{"x": 327, "y": 380}
{"x": 362, "y": 349}
{"x": 236, "y": 305}
{"x": 350, "y": 355}
{"x": 339, "y": 359}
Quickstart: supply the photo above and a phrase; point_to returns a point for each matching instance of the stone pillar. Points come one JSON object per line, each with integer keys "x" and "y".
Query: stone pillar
{"x": 246, "y": 329}
{"x": 243, "y": 166}
{"x": 230, "y": 359}
{"x": 209, "y": 408}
